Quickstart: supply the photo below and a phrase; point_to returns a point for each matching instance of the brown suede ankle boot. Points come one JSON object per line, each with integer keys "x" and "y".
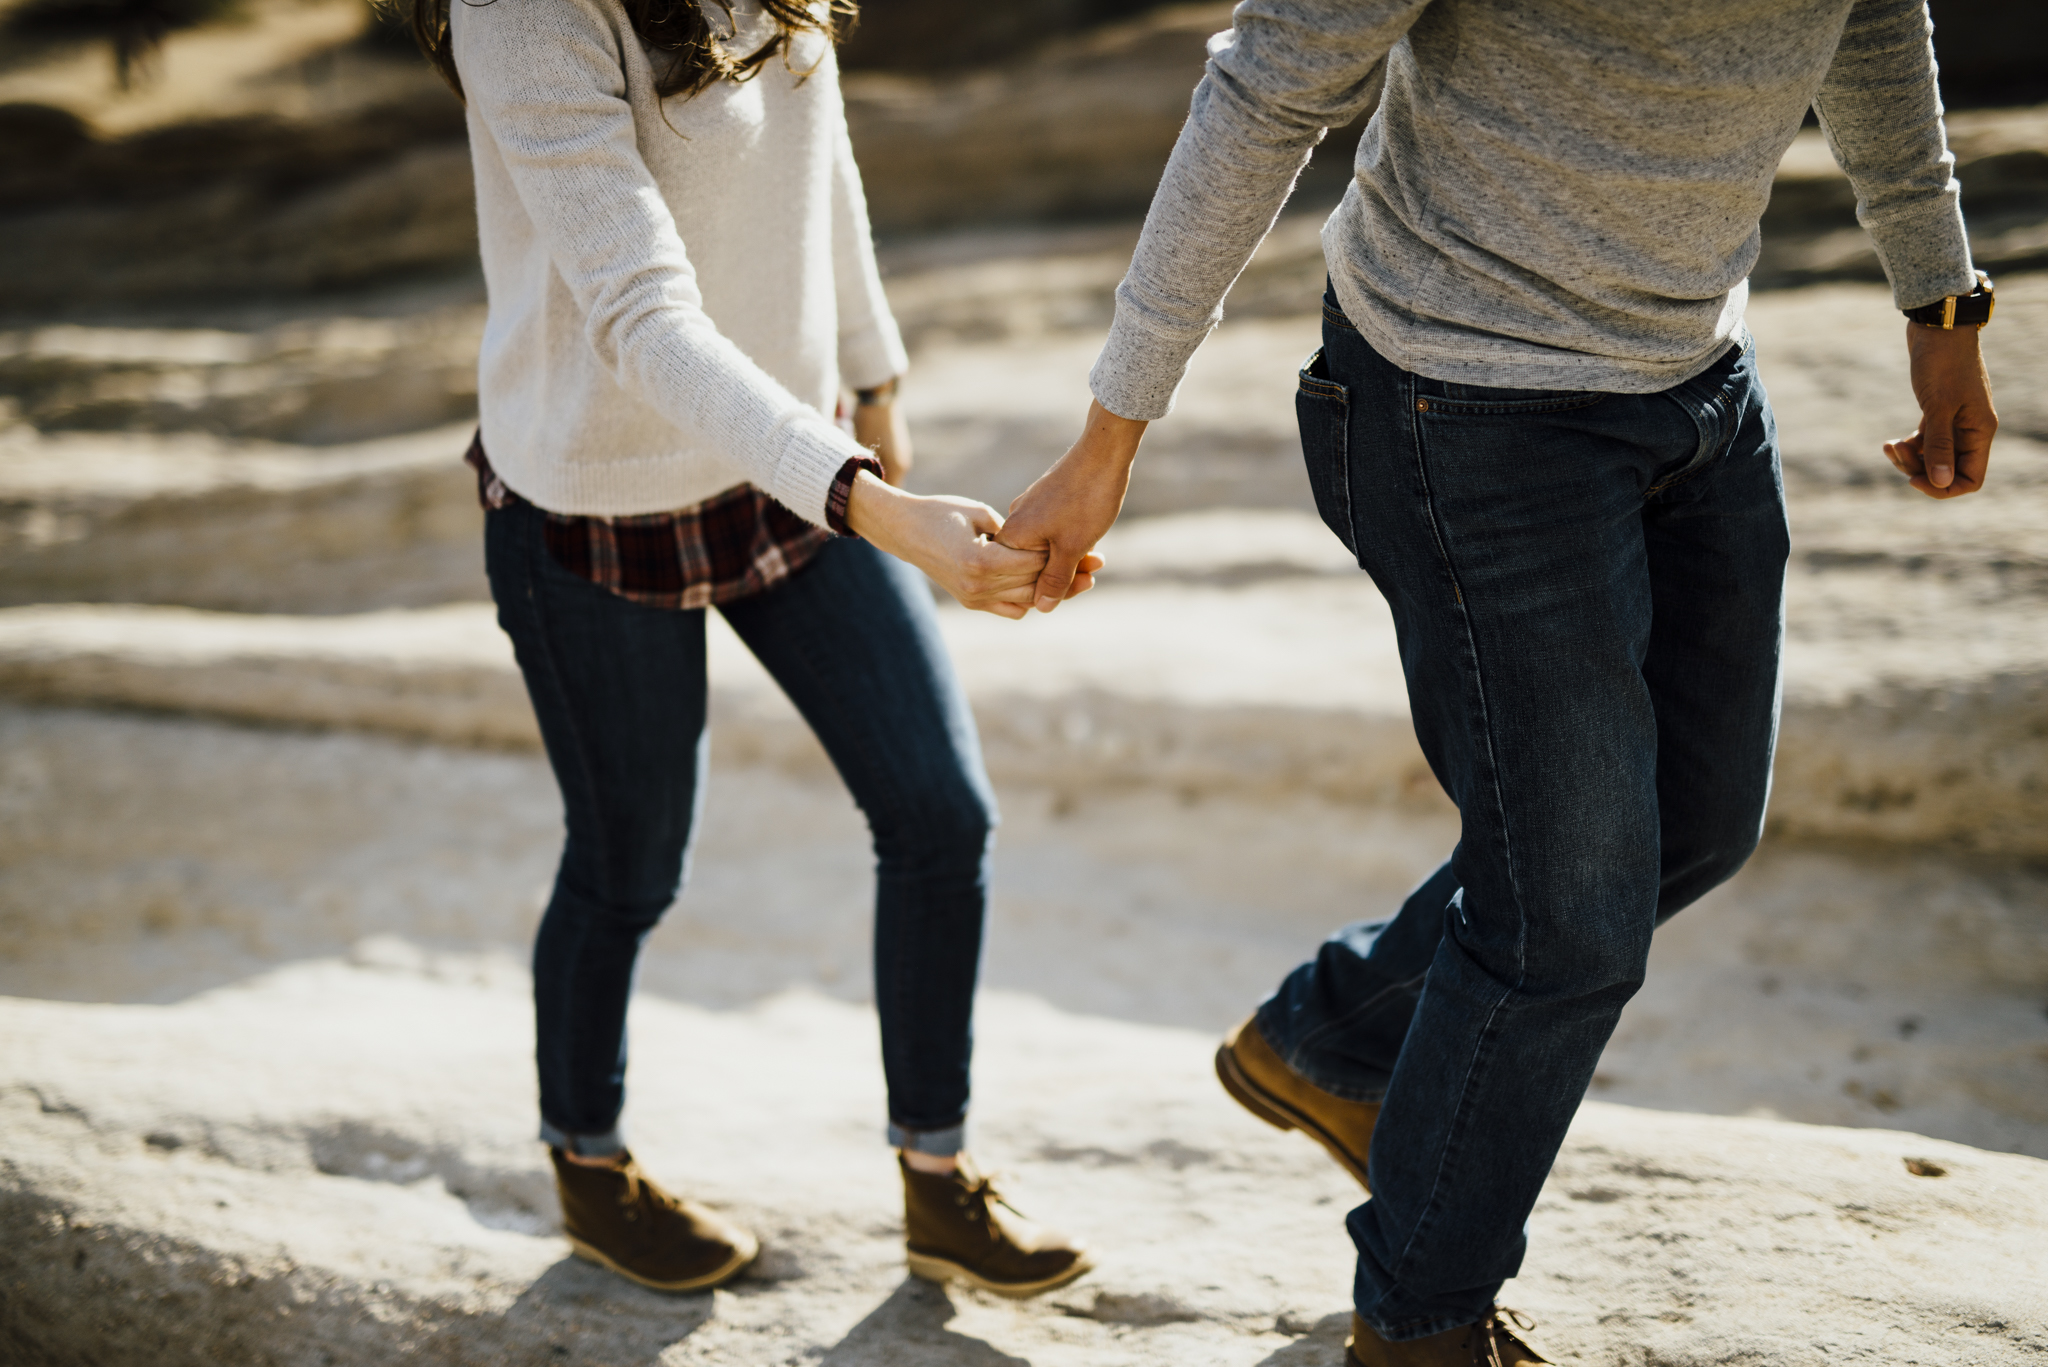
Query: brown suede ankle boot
{"x": 1260, "y": 1081}
{"x": 1496, "y": 1341}
{"x": 958, "y": 1227}
{"x": 617, "y": 1218}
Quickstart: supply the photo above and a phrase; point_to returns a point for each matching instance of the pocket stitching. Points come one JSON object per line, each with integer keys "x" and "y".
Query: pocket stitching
{"x": 1329, "y": 391}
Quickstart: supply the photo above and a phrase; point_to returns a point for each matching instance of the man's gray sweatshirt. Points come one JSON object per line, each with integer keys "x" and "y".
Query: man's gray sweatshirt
{"x": 1557, "y": 194}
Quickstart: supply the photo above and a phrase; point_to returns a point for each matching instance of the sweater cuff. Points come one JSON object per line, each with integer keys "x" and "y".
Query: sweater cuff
{"x": 1140, "y": 368}
{"x": 872, "y": 356}
{"x": 1925, "y": 251}
{"x": 842, "y": 492}
{"x": 813, "y": 453}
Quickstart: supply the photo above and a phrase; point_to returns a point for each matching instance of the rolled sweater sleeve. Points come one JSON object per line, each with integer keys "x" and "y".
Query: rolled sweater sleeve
{"x": 1881, "y": 111}
{"x": 545, "y": 77}
{"x": 1286, "y": 73}
{"x": 870, "y": 347}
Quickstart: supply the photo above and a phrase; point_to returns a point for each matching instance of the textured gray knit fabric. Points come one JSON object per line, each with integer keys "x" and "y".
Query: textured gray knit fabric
{"x": 1553, "y": 193}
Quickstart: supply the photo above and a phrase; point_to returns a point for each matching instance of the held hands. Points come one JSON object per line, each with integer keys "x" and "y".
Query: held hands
{"x": 1950, "y": 453}
{"x": 951, "y": 539}
{"x": 1067, "y": 510}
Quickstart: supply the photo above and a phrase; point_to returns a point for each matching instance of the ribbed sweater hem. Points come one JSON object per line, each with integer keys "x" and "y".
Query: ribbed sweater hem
{"x": 1509, "y": 364}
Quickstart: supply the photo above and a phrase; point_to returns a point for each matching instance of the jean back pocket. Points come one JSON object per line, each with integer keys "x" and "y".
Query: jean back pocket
{"x": 1323, "y": 409}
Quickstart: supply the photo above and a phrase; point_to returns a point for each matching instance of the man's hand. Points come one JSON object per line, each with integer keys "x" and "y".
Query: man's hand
{"x": 1951, "y": 452}
{"x": 879, "y": 426}
{"x": 1066, "y": 511}
{"x": 950, "y": 539}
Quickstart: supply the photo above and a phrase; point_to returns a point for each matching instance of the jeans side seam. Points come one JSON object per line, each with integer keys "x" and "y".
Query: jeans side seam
{"x": 1453, "y": 1146}
{"x": 1410, "y": 1248}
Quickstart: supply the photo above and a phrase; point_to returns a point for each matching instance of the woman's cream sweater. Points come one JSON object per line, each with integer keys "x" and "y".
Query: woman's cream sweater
{"x": 678, "y": 288}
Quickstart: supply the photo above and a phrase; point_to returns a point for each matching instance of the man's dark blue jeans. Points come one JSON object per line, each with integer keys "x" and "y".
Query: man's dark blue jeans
{"x": 1588, "y": 590}
{"x": 619, "y": 690}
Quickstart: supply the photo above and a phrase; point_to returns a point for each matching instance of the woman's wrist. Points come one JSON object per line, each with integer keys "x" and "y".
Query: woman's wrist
{"x": 874, "y": 511}
{"x": 883, "y": 393}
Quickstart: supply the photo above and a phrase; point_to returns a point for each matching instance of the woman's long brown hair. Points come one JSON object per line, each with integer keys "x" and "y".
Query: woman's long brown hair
{"x": 696, "y": 57}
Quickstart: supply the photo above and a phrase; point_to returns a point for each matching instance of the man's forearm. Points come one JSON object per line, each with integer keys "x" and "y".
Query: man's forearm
{"x": 1881, "y": 107}
{"x": 1291, "y": 69}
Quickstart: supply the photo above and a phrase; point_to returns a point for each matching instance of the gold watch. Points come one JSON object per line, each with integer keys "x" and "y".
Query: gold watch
{"x": 1958, "y": 310}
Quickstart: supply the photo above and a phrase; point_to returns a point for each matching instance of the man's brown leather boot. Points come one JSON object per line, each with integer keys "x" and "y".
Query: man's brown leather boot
{"x": 1496, "y": 1341}
{"x": 958, "y": 1227}
{"x": 619, "y": 1219}
{"x": 1263, "y": 1084}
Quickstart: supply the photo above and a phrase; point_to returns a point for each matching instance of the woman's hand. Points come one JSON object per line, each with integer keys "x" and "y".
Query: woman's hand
{"x": 878, "y": 425}
{"x": 952, "y": 540}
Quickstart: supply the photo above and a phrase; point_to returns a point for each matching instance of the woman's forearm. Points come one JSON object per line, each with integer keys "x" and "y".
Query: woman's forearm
{"x": 948, "y": 538}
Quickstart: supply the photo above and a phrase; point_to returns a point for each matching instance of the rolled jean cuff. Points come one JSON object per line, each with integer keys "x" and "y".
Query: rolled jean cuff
{"x": 938, "y": 1143}
{"x": 604, "y": 1145}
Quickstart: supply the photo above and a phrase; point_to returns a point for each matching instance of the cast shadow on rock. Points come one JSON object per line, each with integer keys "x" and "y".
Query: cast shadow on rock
{"x": 578, "y": 1312}
{"x": 1322, "y": 1346}
{"x": 909, "y": 1330}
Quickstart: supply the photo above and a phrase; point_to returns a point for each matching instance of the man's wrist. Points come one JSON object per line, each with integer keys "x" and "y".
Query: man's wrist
{"x": 1972, "y": 310}
{"x": 1108, "y": 439}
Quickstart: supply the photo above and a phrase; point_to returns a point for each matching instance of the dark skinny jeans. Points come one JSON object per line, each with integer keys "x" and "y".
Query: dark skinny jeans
{"x": 619, "y": 691}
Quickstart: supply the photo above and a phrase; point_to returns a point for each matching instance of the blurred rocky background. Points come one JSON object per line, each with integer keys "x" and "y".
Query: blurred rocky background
{"x": 274, "y": 830}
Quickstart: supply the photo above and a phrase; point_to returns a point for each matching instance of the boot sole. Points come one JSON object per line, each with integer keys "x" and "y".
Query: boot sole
{"x": 946, "y": 1270}
{"x": 731, "y": 1268}
{"x": 1279, "y": 1114}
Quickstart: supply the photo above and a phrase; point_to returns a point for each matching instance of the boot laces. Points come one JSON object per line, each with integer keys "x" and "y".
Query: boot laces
{"x": 980, "y": 1195}
{"x": 1501, "y": 1323}
{"x": 638, "y": 1192}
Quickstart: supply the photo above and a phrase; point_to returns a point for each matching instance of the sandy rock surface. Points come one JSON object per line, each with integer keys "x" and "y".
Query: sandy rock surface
{"x": 264, "y": 1091}
{"x": 330, "y": 1165}
{"x": 144, "y": 860}
{"x": 1286, "y": 684}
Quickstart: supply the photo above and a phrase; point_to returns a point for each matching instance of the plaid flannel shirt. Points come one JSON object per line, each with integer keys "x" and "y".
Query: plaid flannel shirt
{"x": 731, "y": 546}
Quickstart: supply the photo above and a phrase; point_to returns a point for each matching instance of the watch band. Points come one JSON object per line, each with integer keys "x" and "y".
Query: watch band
{"x": 1958, "y": 310}
{"x": 884, "y": 392}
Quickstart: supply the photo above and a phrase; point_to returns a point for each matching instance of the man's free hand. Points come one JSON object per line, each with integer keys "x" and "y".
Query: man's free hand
{"x": 1951, "y": 452}
{"x": 1069, "y": 507}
